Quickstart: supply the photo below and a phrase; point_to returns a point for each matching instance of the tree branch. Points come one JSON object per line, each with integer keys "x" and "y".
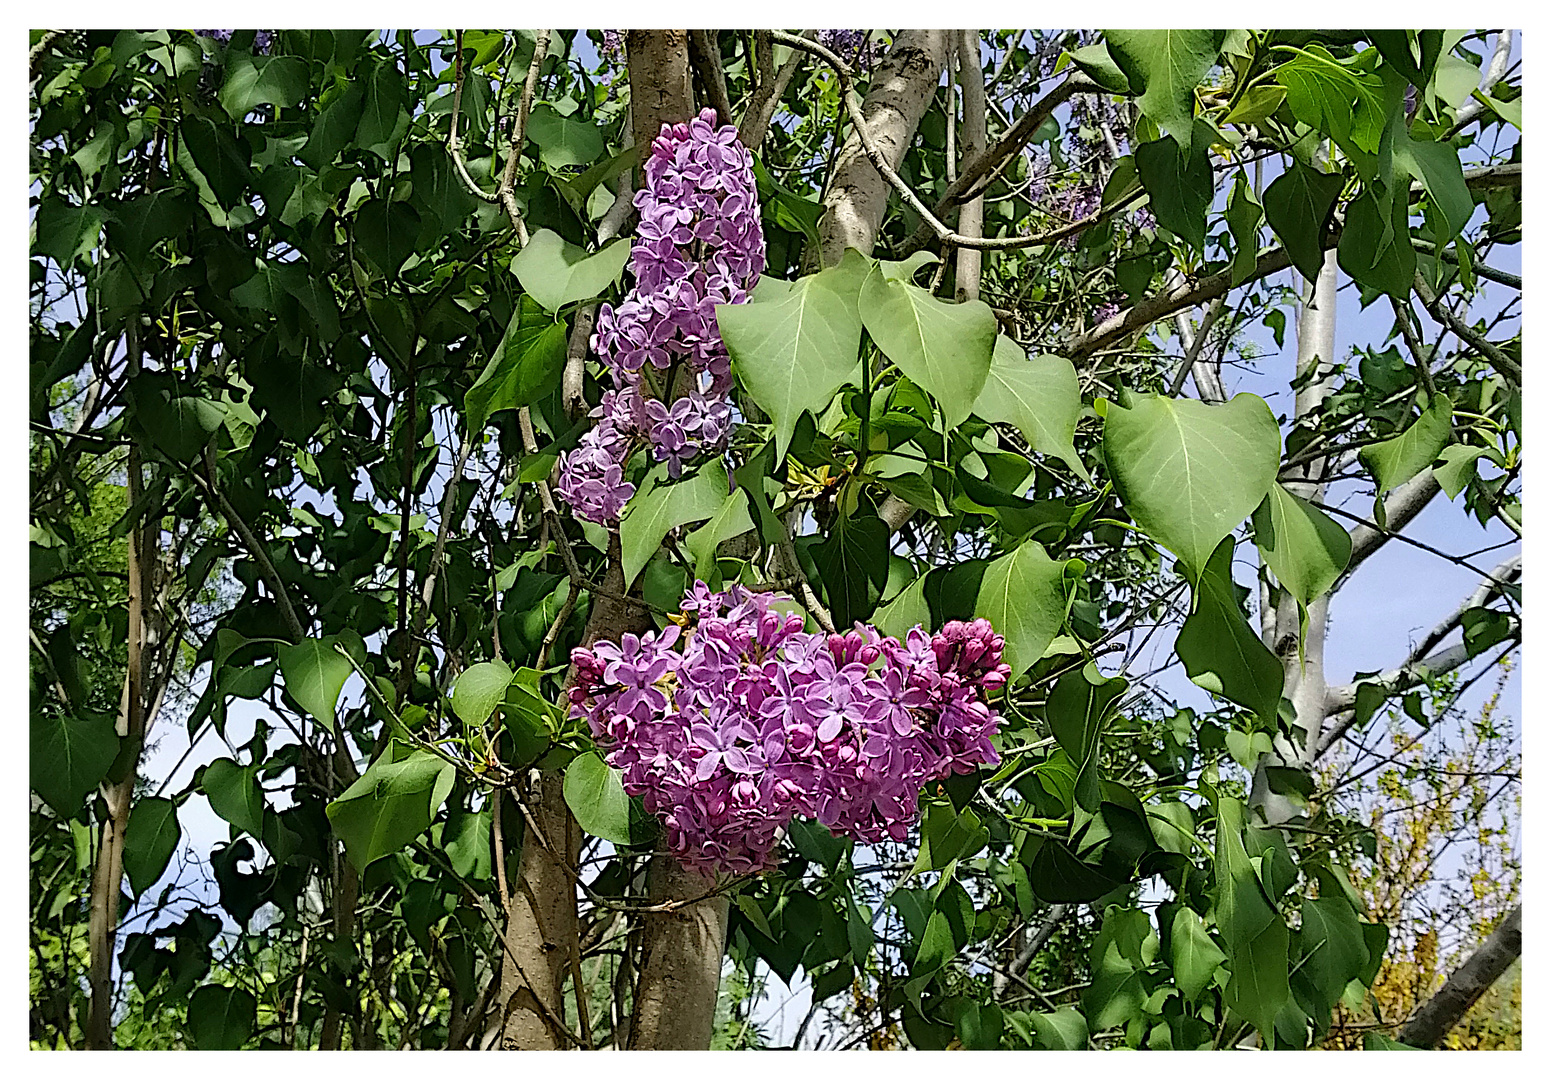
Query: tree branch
{"x": 706, "y": 57}
{"x": 1464, "y": 988}
{"x": 519, "y": 132}
{"x": 766, "y": 97}
{"x": 1400, "y": 507}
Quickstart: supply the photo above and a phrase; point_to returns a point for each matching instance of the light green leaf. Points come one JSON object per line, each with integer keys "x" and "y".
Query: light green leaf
{"x": 1221, "y": 653}
{"x": 1397, "y": 460}
{"x": 235, "y": 795}
{"x": 221, "y": 1017}
{"x": 793, "y": 347}
{"x": 1165, "y": 67}
{"x": 562, "y": 140}
{"x": 1023, "y": 594}
{"x": 907, "y": 610}
{"x": 1187, "y": 472}
{"x": 526, "y": 366}
{"x": 149, "y": 841}
{"x": 1038, "y": 396}
{"x": 1436, "y": 165}
{"x": 1335, "y": 98}
{"x": 597, "y": 797}
{"x": 731, "y": 520}
{"x": 393, "y": 802}
{"x": 314, "y": 674}
{"x": 659, "y": 507}
{"x": 1303, "y": 546}
{"x": 1064, "y": 1029}
{"x": 556, "y": 273}
{"x": 944, "y": 348}
{"x": 69, "y": 758}
{"x": 1458, "y": 468}
{"x": 1096, "y": 62}
{"x": 479, "y": 690}
{"x": 1193, "y": 954}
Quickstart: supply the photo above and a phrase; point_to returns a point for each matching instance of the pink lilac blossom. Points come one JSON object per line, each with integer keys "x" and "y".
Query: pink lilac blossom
{"x": 740, "y": 719}
{"x": 699, "y": 244}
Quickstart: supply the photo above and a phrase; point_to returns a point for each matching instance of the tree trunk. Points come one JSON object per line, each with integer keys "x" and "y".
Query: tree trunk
{"x": 1303, "y": 672}
{"x": 972, "y": 92}
{"x": 1464, "y": 988}
{"x": 901, "y": 91}
{"x": 108, "y": 872}
{"x": 681, "y": 962}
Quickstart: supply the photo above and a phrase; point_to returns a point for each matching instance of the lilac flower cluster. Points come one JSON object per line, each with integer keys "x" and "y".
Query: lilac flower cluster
{"x": 853, "y": 46}
{"x": 699, "y": 244}
{"x": 735, "y": 722}
{"x": 262, "y": 39}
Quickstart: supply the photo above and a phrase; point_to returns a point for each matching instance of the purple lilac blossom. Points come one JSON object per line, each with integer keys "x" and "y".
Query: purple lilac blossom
{"x": 699, "y": 244}
{"x": 741, "y": 719}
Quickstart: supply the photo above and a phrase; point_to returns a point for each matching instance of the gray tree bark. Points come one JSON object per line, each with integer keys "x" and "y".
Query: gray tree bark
{"x": 901, "y": 90}
{"x": 1464, "y": 988}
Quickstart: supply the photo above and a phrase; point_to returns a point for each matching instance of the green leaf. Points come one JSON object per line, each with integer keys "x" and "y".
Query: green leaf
{"x": 563, "y": 141}
{"x": 1063, "y": 1029}
{"x": 235, "y": 795}
{"x": 1243, "y": 218}
{"x": 1075, "y": 712}
{"x": 252, "y": 81}
{"x": 1096, "y": 62}
{"x": 221, "y": 1017}
{"x": 1436, "y": 165}
{"x": 1255, "y": 934}
{"x": 479, "y": 690}
{"x": 1038, "y": 396}
{"x": 907, "y": 610}
{"x": 1333, "y": 946}
{"x": 792, "y": 349}
{"x": 597, "y": 797}
{"x": 1303, "y": 545}
{"x": 945, "y": 349}
{"x": 64, "y": 231}
{"x": 1023, "y": 594}
{"x": 731, "y": 520}
{"x": 1221, "y": 653}
{"x": 1335, "y": 98}
{"x": 1187, "y": 472}
{"x": 69, "y": 758}
{"x": 382, "y": 110}
{"x": 1377, "y": 1040}
{"x": 853, "y": 561}
{"x": 314, "y": 674}
{"x": 1394, "y": 461}
{"x": 1165, "y": 67}
{"x": 181, "y": 425}
{"x": 525, "y": 369}
{"x": 659, "y": 508}
{"x": 1458, "y": 468}
{"x": 386, "y": 233}
{"x": 556, "y": 273}
{"x": 149, "y": 841}
{"x": 1193, "y": 954}
{"x": 1375, "y": 246}
{"x": 335, "y": 127}
{"x": 393, "y": 802}
{"x": 1298, "y": 205}
{"x": 947, "y": 834}
{"x": 1178, "y": 180}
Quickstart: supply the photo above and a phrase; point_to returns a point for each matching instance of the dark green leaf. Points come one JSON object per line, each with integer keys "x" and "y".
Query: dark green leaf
{"x": 853, "y": 561}
{"x": 1221, "y": 653}
{"x": 1298, "y": 206}
{"x": 1178, "y": 180}
{"x": 149, "y": 841}
{"x": 69, "y": 758}
{"x": 315, "y": 672}
{"x": 221, "y": 1017}
{"x": 1165, "y": 67}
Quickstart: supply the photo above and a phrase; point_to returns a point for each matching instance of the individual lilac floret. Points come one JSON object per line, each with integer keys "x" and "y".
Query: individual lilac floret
{"x": 730, "y": 728}
{"x": 699, "y": 244}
